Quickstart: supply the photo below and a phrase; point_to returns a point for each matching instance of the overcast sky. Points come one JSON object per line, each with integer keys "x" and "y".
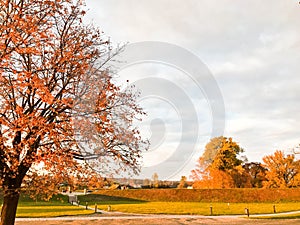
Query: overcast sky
{"x": 251, "y": 48}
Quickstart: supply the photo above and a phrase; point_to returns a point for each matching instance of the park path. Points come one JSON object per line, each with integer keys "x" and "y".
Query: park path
{"x": 155, "y": 220}
{"x": 126, "y": 216}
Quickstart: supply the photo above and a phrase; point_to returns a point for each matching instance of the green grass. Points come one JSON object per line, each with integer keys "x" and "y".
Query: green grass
{"x": 56, "y": 200}
{"x": 57, "y": 206}
{"x": 51, "y": 211}
{"x": 128, "y": 205}
{"x": 201, "y": 208}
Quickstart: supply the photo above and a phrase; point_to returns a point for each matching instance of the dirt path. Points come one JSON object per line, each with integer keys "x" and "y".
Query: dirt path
{"x": 153, "y": 220}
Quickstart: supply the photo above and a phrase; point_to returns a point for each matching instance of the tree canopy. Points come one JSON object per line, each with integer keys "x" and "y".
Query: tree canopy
{"x": 220, "y": 165}
{"x": 58, "y": 99}
{"x": 283, "y": 171}
{"x": 226, "y": 157}
{"x": 256, "y": 173}
{"x": 211, "y": 149}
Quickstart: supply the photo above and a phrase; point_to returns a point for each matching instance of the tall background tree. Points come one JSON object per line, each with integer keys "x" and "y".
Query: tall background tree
{"x": 220, "y": 166}
{"x": 211, "y": 149}
{"x": 283, "y": 171}
{"x": 155, "y": 181}
{"x": 58, "y": 98}
{"x": 182, "y": 182}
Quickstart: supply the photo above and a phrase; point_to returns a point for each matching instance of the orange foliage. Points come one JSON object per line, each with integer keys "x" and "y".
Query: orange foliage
{"x": 283, "y": 171}
{"x": 219, "y": 167}
{"x": 57, "y": 96}
{"x": 214, "y": 178}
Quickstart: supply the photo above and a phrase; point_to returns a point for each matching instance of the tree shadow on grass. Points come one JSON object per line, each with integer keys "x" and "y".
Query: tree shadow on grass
{"x": 106, "y": 199}
{"x": 26, "y": 200}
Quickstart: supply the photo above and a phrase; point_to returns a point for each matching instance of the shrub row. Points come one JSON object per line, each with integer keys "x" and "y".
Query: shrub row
{"x": 208, "y": 195}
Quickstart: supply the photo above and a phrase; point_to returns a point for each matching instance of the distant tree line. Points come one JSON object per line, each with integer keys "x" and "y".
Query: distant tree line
{"x": 223, "y": 166}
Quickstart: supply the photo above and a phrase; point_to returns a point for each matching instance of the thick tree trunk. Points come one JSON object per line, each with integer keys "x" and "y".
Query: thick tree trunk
{"x": 9, "y": 208}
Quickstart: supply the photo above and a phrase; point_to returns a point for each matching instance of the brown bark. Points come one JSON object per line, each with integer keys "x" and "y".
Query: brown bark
{"x": 9, "y": 208}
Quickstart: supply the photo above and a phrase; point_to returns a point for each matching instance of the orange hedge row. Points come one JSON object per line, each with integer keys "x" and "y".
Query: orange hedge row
{"x": 208, "y": 195}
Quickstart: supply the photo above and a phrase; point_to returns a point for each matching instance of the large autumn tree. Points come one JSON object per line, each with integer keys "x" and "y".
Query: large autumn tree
{"x": 59, "y": 103}
{"x": 283, "y": 171}
{"x": 220, "y": 165}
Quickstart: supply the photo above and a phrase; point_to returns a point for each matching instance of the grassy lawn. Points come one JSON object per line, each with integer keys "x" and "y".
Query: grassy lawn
{"x": 201, "y": 208}
{"x": 51, "y": 211}
{"x": 57, "y": 206}
{"x": 56, "y": 200}
{"x": 198, "y": 208}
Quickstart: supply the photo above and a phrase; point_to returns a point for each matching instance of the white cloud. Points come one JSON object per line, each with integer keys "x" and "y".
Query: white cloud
{"x": 251, "y": 46}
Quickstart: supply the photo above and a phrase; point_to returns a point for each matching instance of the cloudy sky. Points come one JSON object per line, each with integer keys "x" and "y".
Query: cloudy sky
{"x": 250, "y": 47}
